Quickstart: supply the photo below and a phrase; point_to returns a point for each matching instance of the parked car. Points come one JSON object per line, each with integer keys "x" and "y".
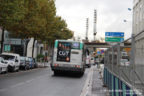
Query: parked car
{"x": 3, "y": 66}
{"x": 88, "y": 64}
{"x": 24, "y": 63}
{"x": 13, "y": 61}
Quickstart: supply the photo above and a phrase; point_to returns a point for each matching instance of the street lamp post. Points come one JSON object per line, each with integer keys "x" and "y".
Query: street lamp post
{"x": 95, "y": 23}
{"x": 87, "y": 27}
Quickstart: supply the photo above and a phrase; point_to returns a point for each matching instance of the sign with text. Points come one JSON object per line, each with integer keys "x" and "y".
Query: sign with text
{"x": 64, "y": 50}
{"x": 13, "y": 41}
{"x": 114, "y": 34}
{"x": 114, "y": 39}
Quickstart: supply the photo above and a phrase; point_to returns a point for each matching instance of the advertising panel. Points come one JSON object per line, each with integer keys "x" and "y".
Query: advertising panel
{"x": 64, "y": 51}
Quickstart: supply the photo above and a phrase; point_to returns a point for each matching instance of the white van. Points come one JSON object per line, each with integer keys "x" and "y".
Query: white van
{"x": 3, "y": 66}
{"x": 13, "y": 61}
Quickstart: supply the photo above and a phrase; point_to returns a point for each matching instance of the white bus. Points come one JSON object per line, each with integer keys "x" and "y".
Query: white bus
{"x": 68, "y": 56}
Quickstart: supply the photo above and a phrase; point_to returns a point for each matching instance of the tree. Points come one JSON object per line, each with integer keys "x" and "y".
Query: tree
{"x": 11, "y": 12}
{"x": 59, "y": 30}
{"x": 33, "y": 18}
{"x": 67, "y": 33}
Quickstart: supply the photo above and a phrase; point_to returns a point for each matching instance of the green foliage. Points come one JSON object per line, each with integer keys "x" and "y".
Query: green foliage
{"x": 67, "y": 33}
{"x": 40, "y": 57}
{"x": 11, "y": 12}
{"x": 59, "y": 30}
{"x": 33, "y": 18}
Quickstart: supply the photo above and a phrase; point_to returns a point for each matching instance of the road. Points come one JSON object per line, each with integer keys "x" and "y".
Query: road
{"x": 41, "y": 82}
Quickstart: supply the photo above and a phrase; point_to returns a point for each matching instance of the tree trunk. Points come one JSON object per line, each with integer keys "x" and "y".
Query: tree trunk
{"x": 33, "y": 48}
{"x": 2, "y": 41}
{"x": 26, "y": 41}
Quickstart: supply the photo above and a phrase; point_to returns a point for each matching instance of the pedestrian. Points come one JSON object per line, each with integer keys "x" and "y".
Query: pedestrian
{"x": 45, "y": 59}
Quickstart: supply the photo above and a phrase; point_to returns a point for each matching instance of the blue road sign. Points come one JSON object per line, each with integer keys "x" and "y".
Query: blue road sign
{"x": 114, "y": 34}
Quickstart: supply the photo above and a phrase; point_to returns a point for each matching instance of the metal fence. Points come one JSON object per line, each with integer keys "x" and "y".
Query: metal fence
{"x": 132, "y": 72}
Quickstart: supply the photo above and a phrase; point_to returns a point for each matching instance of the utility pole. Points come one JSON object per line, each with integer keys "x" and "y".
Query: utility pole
{"x": 95, "y": 23}
{"x": 87, "y": 26}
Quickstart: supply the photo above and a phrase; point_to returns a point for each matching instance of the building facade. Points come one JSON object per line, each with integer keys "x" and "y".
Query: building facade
{"x": 138, "y": 31}
{"x": 23, "y": 47}
{"x": 138, "y": 28}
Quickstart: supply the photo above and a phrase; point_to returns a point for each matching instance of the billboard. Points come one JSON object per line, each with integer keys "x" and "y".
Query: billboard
{"x": 64, "y": 50}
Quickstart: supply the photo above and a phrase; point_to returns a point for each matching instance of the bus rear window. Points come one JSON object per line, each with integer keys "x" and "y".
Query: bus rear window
{"x": 75, "y": 45}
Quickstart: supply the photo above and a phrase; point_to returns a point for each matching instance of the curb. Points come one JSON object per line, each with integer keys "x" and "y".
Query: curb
{"x": 86, "y": 91}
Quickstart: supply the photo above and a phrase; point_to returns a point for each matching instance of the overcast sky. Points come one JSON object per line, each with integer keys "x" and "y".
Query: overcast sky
{"x": 110, "y": 16}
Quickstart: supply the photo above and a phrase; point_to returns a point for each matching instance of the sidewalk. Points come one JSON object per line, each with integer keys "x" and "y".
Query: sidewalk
{"x": 97, "y": 83}
{"x": 44, "y": 64}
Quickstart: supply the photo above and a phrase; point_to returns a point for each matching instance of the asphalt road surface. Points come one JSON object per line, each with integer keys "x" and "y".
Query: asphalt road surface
{"x": 41, "y": 82}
